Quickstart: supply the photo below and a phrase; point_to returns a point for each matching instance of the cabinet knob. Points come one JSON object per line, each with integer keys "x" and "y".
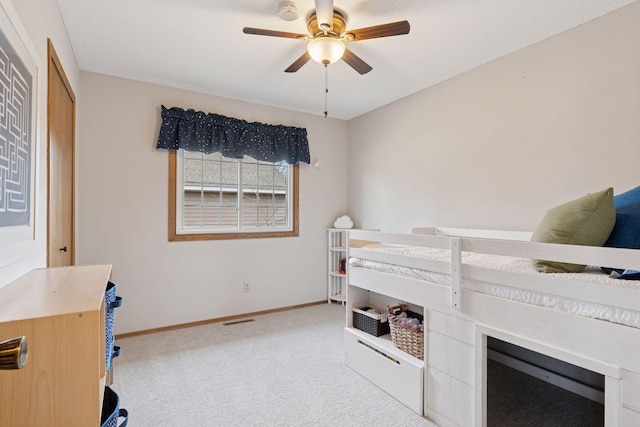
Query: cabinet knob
{"x": 63, "y": 249}
{"x": 13, "y": 353}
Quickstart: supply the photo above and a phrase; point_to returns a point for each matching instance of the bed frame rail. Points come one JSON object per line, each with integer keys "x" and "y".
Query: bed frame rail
{"x": 510, "y": 244}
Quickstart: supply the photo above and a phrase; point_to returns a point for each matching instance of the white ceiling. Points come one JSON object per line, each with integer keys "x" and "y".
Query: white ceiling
{"x": 199, "y": 45}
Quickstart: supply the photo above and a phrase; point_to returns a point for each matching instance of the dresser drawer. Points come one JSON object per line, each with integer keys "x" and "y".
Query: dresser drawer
{"x": 629, "y": 418}
{"x": 631, "y": 390}
{"x": 394, "y": 371}
{"x": 451, "y": 326}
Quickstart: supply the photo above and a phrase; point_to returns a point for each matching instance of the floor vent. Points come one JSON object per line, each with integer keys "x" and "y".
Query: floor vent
{"x": 238, "y": 321}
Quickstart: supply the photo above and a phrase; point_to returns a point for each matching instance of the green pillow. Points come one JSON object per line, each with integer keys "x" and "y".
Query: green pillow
{"x": 585, "y": 221}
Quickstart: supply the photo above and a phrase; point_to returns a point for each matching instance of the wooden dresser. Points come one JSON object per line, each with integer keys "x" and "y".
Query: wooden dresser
{"x": 61, "y": 311}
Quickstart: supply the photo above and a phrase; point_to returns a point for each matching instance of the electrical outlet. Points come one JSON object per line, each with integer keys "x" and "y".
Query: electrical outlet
{"x": 247, "y": 286}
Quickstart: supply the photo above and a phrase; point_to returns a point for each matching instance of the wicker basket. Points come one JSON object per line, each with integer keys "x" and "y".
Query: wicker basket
{"x": 409, "y": 341}
{"x": 375, "y": 324}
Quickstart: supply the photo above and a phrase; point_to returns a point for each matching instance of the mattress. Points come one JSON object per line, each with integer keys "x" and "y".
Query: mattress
{"x": 511, "y": 264}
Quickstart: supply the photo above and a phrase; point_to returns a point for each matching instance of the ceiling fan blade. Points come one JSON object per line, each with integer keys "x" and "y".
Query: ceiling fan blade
{"x": 324, "y": 13}
{"x": 355, "y": 62}
{"x": 298, "y": 63}
{"x": 377, "y": 31}
{"x": 274, "y": 33}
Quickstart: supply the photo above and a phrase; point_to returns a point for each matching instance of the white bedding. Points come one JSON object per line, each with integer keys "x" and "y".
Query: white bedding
{"x": 517, "y": 265}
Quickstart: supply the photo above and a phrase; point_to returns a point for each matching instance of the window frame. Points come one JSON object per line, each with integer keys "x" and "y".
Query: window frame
{"x": 175, "y": 236}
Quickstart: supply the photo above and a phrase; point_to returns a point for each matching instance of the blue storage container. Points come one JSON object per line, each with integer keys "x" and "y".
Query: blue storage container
{"x": 111, "y": 410}
{"x": 111, "y": 302}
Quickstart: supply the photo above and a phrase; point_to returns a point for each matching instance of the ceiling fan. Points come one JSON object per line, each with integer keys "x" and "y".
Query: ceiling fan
{"x": 327, "y": 34}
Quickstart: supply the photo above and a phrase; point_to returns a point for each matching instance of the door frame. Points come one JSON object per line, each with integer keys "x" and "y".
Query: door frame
{"x": 54, "y": 61}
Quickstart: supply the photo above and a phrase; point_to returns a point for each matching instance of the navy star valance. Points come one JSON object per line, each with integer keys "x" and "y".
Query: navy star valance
{"x": 212, "y": 133}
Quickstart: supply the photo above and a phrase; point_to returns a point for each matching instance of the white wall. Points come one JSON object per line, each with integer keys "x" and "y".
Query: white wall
{"x": 499, "y": 145}
{"x": 123, "y": 208}
{"x": 37, "y": 20}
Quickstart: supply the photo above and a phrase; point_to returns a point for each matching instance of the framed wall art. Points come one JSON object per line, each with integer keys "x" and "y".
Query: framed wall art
{"x": 18, "y": 136}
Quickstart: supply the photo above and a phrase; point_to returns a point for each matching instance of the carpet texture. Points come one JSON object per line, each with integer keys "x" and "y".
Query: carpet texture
{"x": 282, "y": 369}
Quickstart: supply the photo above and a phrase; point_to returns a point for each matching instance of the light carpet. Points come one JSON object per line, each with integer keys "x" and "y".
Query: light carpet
{"x": 282, "y": 369}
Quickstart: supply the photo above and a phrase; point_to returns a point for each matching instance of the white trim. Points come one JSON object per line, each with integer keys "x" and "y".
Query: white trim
{"x": 480, "y": 388}
{"x": 612, "y": 398}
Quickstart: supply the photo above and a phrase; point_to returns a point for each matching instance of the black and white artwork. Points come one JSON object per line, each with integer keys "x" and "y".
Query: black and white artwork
{"x": 19, "y": 136}
{"x": 16, "y": 134}
{"x": 17, "y": 128}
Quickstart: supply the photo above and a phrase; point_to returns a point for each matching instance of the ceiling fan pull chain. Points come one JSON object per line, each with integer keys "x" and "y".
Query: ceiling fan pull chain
{"x": 326, "y": 88}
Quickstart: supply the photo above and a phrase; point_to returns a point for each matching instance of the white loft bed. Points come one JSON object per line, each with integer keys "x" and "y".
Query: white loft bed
{"x": 466, "y": 301}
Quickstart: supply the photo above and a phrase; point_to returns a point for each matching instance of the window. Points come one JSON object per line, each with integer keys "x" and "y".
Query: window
{"x": 213, "y": 197}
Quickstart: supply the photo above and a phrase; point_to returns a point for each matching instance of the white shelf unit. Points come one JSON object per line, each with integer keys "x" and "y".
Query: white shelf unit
{"x": 376, "y": 358}
{"x": 337, "y": 251}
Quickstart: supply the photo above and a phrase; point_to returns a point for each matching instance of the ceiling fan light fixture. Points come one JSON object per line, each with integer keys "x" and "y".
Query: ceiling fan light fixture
{"x": 326, "y": 49}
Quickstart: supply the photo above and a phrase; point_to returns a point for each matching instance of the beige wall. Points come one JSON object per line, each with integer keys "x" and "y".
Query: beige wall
{"x": 499, "y": 145}
{"x": 492, "y": 148}
{"x": 36, "y": 21}
{"x": 123, "y": 211}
